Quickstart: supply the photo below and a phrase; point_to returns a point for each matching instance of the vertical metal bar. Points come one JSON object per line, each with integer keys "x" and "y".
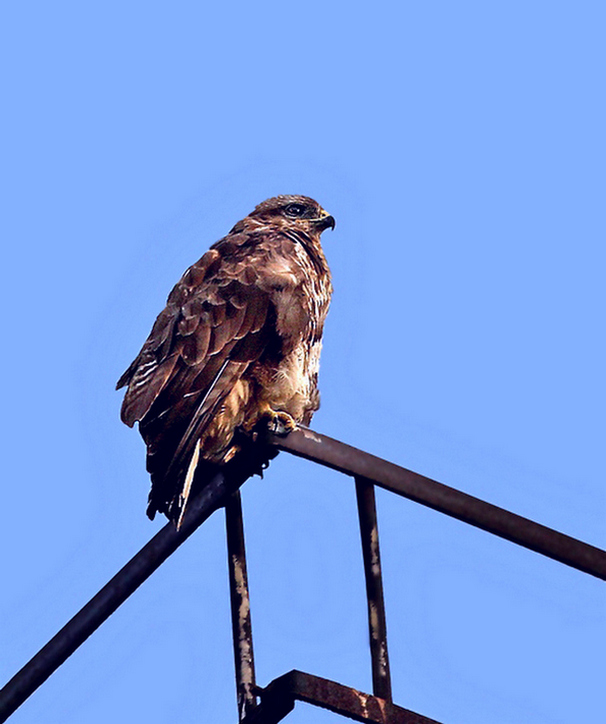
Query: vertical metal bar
{"x": 369, "y": 533}
{"x": 240, "y": 607}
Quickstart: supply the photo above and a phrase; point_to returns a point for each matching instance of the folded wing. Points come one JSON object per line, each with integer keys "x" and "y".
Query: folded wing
{"x": 188, "y": 387}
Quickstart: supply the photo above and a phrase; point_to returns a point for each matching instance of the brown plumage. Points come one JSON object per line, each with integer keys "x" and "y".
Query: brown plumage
{"x": 238, "y": 341}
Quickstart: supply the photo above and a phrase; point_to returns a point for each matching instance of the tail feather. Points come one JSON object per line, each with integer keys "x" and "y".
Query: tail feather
{"x": 173, "y": 467}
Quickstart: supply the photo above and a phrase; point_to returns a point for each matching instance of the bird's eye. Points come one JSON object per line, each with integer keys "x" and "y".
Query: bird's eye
{"x": 296, "y": 210}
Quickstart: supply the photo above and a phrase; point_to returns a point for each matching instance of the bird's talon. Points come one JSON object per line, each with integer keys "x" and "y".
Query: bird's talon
{"x": 281, "y": 423}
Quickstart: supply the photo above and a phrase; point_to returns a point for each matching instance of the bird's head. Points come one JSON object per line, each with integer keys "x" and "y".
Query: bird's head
{"x": 299, "y": 212}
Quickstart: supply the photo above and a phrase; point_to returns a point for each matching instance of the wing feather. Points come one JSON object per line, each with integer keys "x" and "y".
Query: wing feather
{"x": 145, "y": 386}
{"x": 215, "y": 325}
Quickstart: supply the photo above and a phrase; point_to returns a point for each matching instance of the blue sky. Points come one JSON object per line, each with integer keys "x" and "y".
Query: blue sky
{"x": 460, "y": 147}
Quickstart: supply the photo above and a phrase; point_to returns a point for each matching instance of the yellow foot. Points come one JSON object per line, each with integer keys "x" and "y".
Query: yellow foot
{"x": 278, "y": 422}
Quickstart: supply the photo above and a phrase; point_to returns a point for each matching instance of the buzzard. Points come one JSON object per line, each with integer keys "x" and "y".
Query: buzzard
{"x": 237, "y": 344}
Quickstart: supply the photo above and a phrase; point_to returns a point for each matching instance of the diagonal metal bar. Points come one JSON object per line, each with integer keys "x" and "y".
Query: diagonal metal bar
{"x": 346, "y": 459}
{"x": 377, "y": 626}
{"x": 112, "y": 595}
{"x": 240, "y": 606}
{"x": 279, "y": 697}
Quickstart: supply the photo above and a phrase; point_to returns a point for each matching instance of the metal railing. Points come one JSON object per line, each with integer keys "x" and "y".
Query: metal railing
{"x": 271, "y": 704}
{"x": 351, "y": 461}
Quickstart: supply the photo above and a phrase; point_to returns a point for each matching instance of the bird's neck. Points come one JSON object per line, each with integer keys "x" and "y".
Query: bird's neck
{"x": 311, "y": 244}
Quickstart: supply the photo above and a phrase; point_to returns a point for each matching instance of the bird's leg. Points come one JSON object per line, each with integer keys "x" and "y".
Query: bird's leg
{"x": 278, "y": 421}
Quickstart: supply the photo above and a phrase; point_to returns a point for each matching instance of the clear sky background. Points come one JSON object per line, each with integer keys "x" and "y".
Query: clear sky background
{"x": 460, "y": 146}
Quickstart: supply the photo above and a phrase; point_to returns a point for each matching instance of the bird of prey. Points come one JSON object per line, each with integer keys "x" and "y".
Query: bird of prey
{"x": 237, "y": 343}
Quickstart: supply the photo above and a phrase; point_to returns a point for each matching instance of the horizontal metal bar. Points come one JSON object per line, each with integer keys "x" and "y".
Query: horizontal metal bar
{"x": 112, "y": 595}
{"x": 351, "y": 461}
{"x": 279, "y": 697}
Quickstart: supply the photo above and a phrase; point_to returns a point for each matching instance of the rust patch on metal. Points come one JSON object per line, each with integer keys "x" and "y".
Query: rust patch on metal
{"x": 278, "y": 699}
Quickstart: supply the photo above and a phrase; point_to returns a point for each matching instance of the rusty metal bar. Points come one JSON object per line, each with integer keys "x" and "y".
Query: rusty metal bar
{"x": 279, "y": 697}
{"x": 112, "y": 595}
{"x": 346, "y": 459}
{"x": 240, "y": 607}
{"x": 377, "y": 626}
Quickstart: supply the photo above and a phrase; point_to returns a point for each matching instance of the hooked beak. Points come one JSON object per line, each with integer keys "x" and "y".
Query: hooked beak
{"x": 324, "y": 221}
